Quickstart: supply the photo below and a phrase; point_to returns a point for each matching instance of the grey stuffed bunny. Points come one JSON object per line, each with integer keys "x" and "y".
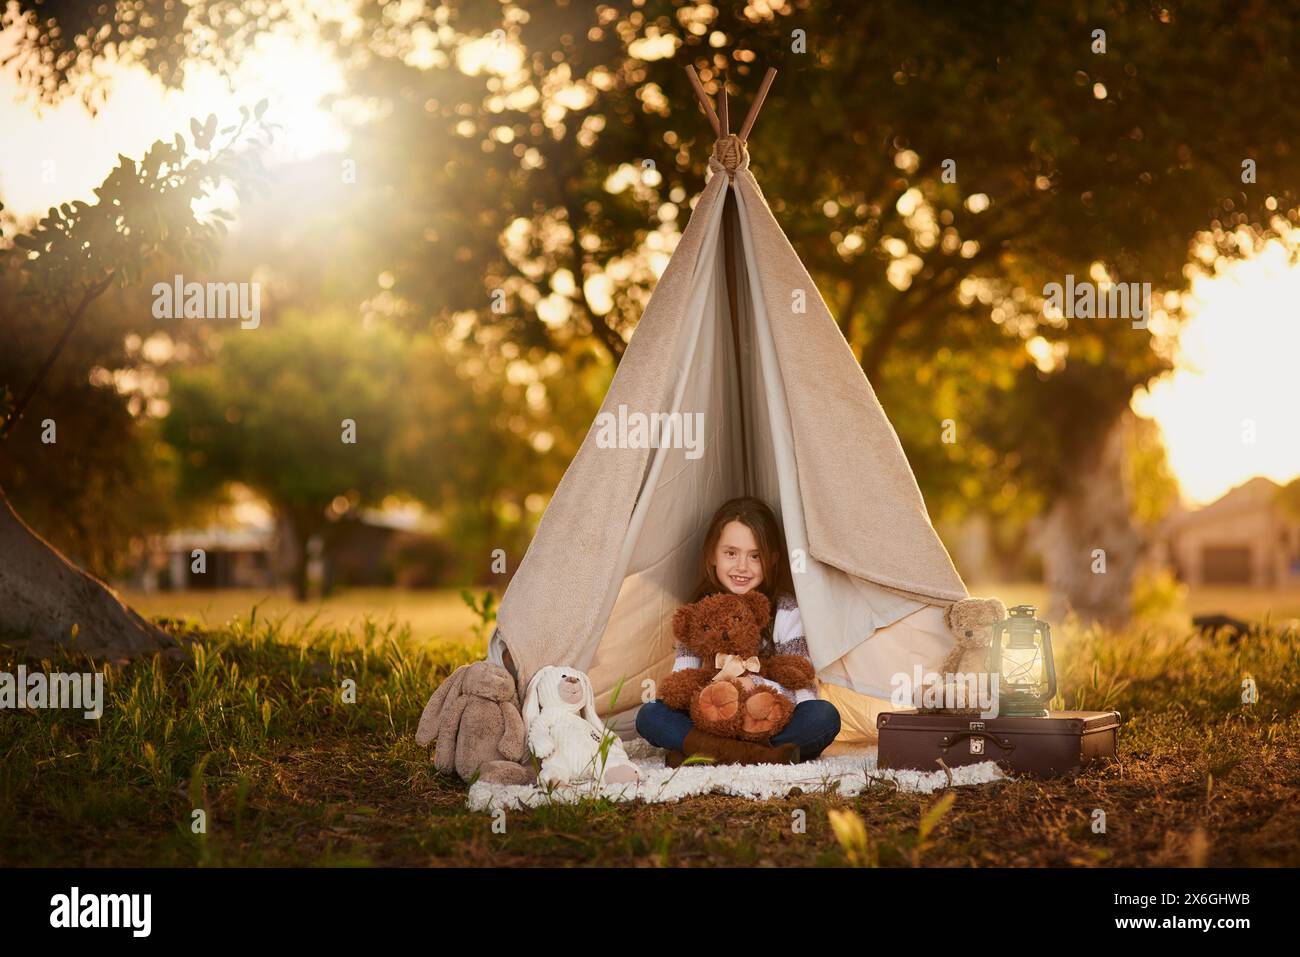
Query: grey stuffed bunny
{"x": 474, "y": 719}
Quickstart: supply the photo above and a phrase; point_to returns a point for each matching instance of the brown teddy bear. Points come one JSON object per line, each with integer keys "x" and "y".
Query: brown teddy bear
{"x": 970, "y": 621}
{"x": 726, "y": 632}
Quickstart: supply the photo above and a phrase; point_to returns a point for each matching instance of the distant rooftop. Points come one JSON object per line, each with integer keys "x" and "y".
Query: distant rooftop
{"x": 1252, "y": 495}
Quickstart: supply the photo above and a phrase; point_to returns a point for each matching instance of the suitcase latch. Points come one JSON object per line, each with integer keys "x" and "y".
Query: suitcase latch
{"x": 977, "y": 725}
{"x": 976, "y": 745}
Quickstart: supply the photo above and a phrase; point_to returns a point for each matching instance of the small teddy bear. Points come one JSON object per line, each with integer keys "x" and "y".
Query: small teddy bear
{"x": 726, "y": 632}
{"x": 970, "y": 621}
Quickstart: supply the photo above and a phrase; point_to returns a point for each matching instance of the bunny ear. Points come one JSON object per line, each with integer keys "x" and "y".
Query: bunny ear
{"x": 589, "y": 704}
{"x": 759, "y": 607}
{"x": 431, "y": 719}
{"x": 532, "y": 703}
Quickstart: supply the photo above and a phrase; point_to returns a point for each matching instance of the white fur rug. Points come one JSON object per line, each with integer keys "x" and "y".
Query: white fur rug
{"x": 848, "y": 772}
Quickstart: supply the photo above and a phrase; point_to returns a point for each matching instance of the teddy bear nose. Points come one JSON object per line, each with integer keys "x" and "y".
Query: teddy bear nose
{"x": 969, "y": 632}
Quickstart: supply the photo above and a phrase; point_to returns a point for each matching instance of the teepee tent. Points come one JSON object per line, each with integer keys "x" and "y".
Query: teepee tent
{"x": 737, "y": 339}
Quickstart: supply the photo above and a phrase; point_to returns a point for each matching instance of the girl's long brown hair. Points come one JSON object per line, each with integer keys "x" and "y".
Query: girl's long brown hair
{"x": 755, "y": 515}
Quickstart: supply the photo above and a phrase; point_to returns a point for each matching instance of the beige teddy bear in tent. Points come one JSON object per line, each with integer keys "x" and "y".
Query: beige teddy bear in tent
{"x": 970, "y": 622}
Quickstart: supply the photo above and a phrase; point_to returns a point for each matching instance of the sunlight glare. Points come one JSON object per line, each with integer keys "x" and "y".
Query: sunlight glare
{"x": 1229, "y": 409}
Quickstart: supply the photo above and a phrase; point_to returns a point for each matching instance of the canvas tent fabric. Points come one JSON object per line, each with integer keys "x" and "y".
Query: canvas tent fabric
{"x": 788, "y": 416}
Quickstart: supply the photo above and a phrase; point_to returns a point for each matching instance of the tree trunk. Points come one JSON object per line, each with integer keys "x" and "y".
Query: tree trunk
{"x": 43, "y": 596}
{"x": 1091, "y": 526}
{"x": 301, "y": 566}
{"x": 295, "y": 530}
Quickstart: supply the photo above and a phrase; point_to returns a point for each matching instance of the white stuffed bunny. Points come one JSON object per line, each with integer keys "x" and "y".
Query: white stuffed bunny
{"x": 565, "y": 733}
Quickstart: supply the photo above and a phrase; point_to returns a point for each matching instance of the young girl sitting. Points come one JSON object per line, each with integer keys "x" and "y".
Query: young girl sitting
{"x": 744, "y": 551}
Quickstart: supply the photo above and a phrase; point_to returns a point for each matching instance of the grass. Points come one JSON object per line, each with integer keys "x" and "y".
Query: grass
{"x": 434, "y": 614}
{"x": 441, "y": 615}
{"x": 252, "y": 727}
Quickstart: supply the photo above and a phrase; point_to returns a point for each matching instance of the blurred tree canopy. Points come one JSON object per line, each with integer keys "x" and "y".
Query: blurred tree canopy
{"x": 302, "y": 413}
{"x": 1120, "y": 165}
{"x": 52, "y": 274}
{"x": 81, "y": 349}
{"x": 485, "y": 441}
{"x": 58, "y": 44}
{"x": 525, "y": 169}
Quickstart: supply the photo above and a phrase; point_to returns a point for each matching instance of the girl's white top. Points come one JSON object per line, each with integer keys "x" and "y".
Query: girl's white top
{"x": 787, "y": 635}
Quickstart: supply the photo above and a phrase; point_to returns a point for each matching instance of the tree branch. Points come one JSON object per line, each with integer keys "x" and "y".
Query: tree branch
{"x": 857, "y": 287}
{"x": 903, "y": 311}
{"x": 89, "y": 295}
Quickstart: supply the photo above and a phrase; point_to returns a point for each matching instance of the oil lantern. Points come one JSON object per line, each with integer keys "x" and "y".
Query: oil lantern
{"x": 1021, "y": 656}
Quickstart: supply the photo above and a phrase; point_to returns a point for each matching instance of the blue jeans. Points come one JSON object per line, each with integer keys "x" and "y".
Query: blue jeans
{"x": 813, "y": 726}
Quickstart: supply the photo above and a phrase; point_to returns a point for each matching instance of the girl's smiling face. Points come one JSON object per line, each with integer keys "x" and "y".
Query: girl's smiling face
{"x": 736, "y": 561}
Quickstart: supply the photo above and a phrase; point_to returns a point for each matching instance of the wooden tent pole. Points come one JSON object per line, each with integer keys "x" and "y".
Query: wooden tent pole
{"x": 704, "y": 100}
{"x": 758, "y": 103}
{"x": 730, "y": 241}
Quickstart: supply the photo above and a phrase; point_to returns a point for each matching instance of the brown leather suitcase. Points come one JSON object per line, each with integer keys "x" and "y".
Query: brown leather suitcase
{"x": 1060, "y": 743}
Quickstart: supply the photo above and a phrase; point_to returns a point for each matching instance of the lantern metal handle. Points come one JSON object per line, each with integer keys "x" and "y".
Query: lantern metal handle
{"x": 1049, "y": 665}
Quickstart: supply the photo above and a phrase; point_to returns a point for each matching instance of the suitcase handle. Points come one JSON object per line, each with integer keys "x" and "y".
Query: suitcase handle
{"x": 948, "y": 740}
